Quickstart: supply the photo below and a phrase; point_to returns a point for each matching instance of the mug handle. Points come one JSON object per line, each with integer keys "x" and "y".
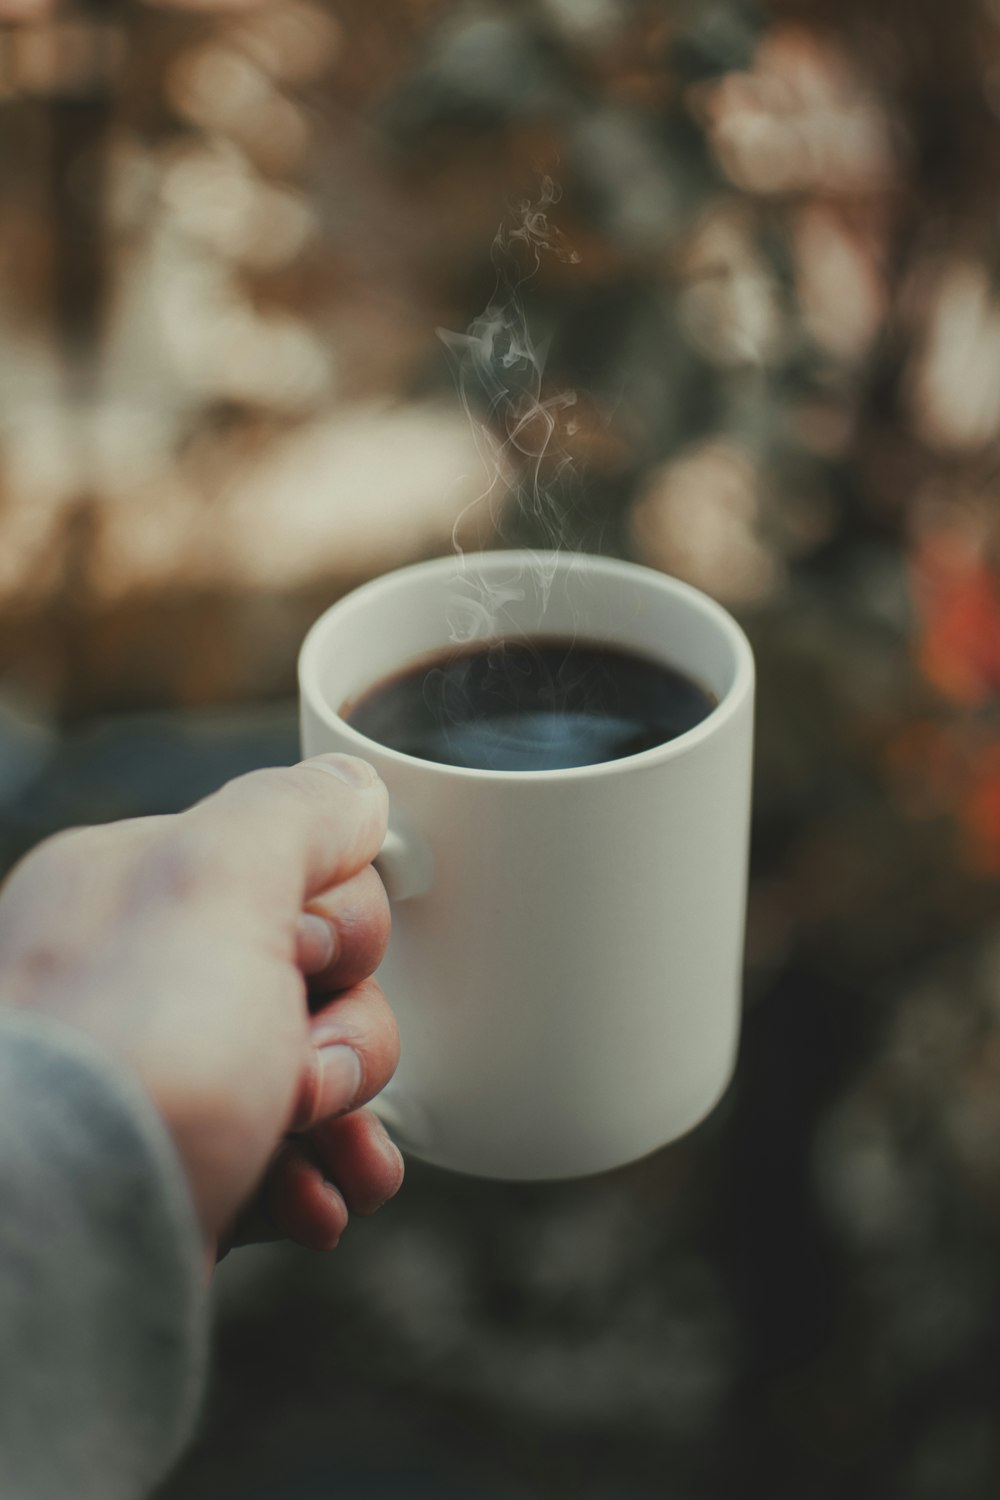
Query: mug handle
{"x": 405, "y": 866}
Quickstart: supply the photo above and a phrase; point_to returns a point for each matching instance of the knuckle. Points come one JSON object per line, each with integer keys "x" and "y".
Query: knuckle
{"x": 376, "y": 898}
{"x": 360, "y": 910}
{"x": 384, "y": 1032}
{"x": 364, "y": 1018}
{"x": 61, "y": 849}
{"x": 60, "y": 864}
{"x": 186, "y": 862}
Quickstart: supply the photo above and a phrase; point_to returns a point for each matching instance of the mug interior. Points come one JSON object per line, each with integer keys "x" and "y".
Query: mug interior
{"x": 387, "y": 625}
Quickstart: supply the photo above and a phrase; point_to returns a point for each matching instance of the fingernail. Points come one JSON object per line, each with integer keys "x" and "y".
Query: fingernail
{"x": 315, "y": 941}
{"x": 394, "y": 1153}
{"x": 388, "y": 1145}
{"x": 356, "y": 773}
{"x": 339, "y": 1080}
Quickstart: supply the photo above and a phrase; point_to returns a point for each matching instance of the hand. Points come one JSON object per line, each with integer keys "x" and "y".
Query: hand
{"x": 188, "y": 947}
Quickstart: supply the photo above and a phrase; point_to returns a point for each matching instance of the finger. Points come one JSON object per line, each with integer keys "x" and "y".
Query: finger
{"x": 353, "y": 1155}
{"x": 298, "y": 1203}
{"x": 343, "y": 935}
{"x": 354, "y": 1049}
{"x": 305, "y": 1206}
{"x": 356, "y": 1153}
{"x": 289, "y": 833}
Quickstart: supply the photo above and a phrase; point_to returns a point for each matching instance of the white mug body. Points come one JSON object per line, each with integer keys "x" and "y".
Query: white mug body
{"x": 566, "y": 954}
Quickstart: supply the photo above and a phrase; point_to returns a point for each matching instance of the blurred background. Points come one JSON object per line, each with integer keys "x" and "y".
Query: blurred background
{"x": 756, "y": 257}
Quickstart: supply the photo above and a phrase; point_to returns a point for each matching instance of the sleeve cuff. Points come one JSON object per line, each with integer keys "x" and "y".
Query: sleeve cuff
{"x": 102, "y": 1320}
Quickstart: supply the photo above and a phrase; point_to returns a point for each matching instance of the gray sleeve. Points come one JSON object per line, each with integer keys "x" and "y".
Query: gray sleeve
{"x": 102, "y": 1275}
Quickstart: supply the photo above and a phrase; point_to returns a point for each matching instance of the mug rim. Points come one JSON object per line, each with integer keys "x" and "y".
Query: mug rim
{"x": 729, "y": 704}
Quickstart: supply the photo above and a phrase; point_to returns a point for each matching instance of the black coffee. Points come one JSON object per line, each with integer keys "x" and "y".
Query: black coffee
{"x": 530, "y": 705}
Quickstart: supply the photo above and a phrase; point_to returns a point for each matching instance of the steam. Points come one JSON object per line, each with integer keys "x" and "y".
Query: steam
{"x": 500, "y": 370}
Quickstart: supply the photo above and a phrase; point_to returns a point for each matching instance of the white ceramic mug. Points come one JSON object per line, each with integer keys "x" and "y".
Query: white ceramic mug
{"x": 566, "y": 953}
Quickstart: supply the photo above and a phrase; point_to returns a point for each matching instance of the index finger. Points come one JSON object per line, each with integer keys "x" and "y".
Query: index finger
{"x": 294, "y": 831}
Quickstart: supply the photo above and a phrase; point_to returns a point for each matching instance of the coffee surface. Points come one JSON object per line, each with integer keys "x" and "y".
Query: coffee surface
{"x": 540, "y": 704}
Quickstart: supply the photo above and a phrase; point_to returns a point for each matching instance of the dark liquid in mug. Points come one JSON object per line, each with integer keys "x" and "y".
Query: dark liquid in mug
{"x": 530, "y": 705}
